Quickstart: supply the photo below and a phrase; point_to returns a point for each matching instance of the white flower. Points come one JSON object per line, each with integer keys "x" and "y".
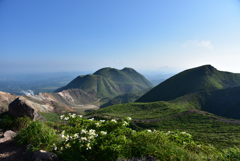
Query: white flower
{"x": 91, "y": 119}
{"x": 97, "y": 124}
{"x": 76, "y": 135}
{"x": 113, "y": 120}
{"x": 73, "y": 115}
{"x": 68, "y": 145}
{"x": 168, "y": 132}
{"x": 83, "y": 131}
{"x": 102, "y": 120}
{"x": 149, "y": 130}
{"x": 90, "y": 137}
{"x": 103, "y": 132}
{"x": 61, "y": 117}
{"x": 83, "y": 139}
{"x": 199, "y": 146}
{"x": 129, "y": 118}
{"x": 91, "y": 132}
{"x": 66, "y": 118}
{"x": 125, "y": 123}
{"x": 133, "y": 131}
{"x": 80, "y": 116}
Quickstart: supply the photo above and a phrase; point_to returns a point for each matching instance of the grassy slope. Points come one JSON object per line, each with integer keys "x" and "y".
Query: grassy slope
{"x": 140, "y": 110}
{"x": 109, "y": 82}
{"x": 165, "y": 116}
{"x": 203, "y": 88}
{"x": 203, "y": 128}
{"x": 204, "y": 78}
{"x": 125, "y": 98}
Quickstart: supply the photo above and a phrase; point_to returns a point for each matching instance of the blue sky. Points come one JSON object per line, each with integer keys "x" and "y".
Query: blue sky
{"x": 147, "y": 35}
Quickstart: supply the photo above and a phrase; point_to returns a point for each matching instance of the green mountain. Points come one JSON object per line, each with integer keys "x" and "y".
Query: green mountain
{"x": 204, "y": 88}
{"x": 109, "y": 82}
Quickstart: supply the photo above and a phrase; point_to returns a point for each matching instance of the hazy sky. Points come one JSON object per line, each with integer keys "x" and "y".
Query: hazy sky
{"x": 85, "y": 35}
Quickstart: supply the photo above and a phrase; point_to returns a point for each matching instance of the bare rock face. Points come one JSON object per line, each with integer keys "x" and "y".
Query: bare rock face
{"x": 41, "y": 155}
{"x": 5, "y": 100}
{"x": 8, "y": 135}
{"x": 21, "y": 107}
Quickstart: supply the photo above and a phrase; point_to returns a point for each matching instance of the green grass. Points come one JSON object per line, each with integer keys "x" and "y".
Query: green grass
{"x": 139, "y": 110}
{"x": 167, "y": 116}
{"x": 38, "y": 135}
{"x": 124, "y": 142}
{"x": 202, "y": 127}
{"x": 53, "y": 117}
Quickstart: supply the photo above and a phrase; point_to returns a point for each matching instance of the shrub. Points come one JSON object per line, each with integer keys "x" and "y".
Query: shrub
{"x": 38, "y": 135}
{"x": 9, "y": 122}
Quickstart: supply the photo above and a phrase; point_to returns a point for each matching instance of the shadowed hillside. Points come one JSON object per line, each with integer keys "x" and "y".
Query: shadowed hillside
{"x": 204, "y": 88}
{"x": 125, "y": 98}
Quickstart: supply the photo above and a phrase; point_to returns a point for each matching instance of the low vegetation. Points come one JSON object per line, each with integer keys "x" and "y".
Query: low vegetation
{"x": 78, "y": 138}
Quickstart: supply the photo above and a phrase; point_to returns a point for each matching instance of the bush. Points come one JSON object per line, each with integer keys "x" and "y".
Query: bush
{"x": 108, "y": 140}
{"x": 38, "y": 135}
{"x": 9, "y": 122}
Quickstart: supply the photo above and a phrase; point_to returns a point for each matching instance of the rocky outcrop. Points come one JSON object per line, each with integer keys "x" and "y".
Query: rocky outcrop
{"x": 8, "y": 135}
{"x": 5, "y": 100}
{"x": 21, "y": 107}
{"x": 44, "y": 155}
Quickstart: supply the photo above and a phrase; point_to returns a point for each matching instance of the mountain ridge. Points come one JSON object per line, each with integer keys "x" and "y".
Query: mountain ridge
{"x": 109, "y": 82}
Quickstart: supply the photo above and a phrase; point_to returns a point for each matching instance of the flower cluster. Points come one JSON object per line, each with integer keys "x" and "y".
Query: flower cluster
{"x": 87, "y": 134}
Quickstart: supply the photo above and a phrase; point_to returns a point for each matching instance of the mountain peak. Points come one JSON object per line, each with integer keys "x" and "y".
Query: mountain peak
{"x": 203, "y": 78}
{"x": 109, "y": 82}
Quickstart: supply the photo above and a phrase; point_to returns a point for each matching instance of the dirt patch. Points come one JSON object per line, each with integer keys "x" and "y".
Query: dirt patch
{"x": 10, "y": 151}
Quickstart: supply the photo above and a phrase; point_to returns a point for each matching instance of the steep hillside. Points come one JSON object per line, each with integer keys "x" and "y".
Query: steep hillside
{"x": 203, "y": 78}
{"x": 109, "y": 82}
{"x": 222, "y": 102}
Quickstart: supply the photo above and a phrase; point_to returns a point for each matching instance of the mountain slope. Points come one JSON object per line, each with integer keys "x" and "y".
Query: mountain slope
{"x": 203, "y": 78}
{"x": 109, "y": 82}
{"x": 125, "y": 98}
